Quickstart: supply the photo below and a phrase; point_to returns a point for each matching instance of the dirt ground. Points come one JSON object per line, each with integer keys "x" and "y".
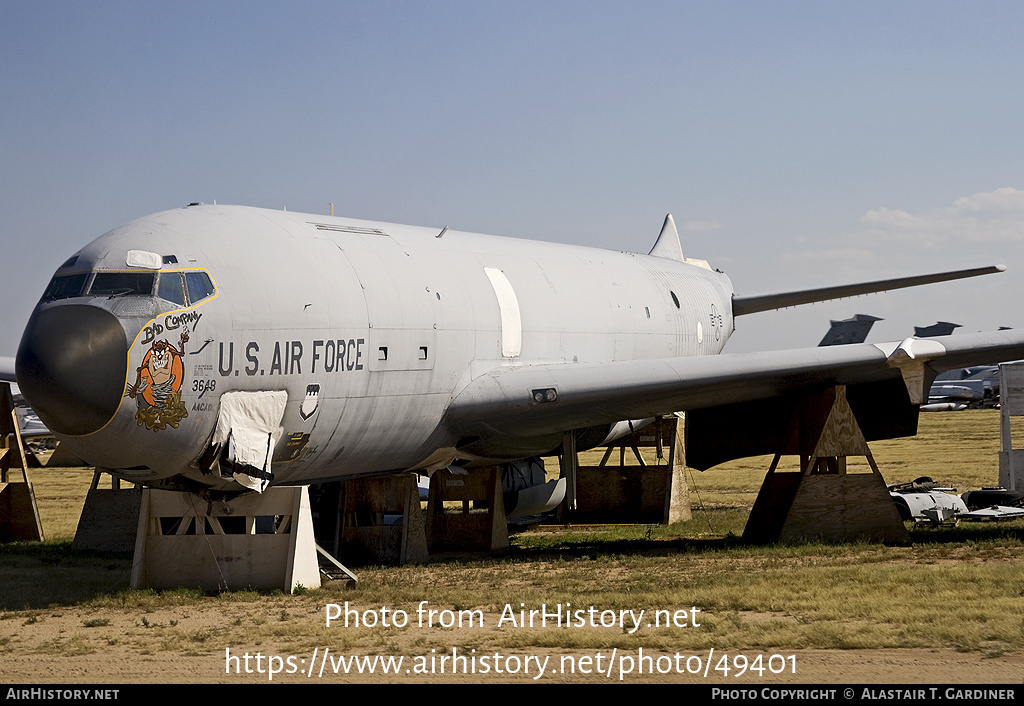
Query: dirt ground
{"x": 115, "y": 650}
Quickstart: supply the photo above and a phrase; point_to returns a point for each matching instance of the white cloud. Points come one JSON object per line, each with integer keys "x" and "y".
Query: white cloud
{"x": 987, "y": 217}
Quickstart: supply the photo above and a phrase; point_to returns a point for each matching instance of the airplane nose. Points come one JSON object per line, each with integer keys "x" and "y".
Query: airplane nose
{"x": 71, "y": 367}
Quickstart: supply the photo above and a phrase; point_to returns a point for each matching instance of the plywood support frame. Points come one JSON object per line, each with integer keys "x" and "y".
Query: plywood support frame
{"x": 483, "y": 530}
{"x": 19, "y": 511}
{"x": 379, "y": 521}
{"x": 636, "y": 494}
{"x": 110, "y": 517}
{"x": 822, "y": 501}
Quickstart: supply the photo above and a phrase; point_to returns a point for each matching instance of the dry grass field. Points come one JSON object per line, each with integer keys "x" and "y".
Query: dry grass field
{"x": 948, "y": 609}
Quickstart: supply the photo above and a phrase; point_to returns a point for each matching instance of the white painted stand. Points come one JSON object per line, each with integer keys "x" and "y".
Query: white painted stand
{"x": 1011, "y": 404}
{"x": 183, "y": 541}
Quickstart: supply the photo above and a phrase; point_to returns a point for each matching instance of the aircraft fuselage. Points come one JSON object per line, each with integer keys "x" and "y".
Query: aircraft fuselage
{"x": 370, "y": 328}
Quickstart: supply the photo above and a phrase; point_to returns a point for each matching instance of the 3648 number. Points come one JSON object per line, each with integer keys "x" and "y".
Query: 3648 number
{"x": 204, "y": 386}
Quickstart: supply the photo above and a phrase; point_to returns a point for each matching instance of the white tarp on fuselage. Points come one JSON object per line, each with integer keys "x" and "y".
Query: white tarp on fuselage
{"x": 252, "y": 421}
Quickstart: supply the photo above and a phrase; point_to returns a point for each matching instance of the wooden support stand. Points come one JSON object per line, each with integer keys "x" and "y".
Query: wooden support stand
{"x": 822, "y": 501}
{"x": 110, "y": 518}
{"x": 257, "y": 540}
{"x": 62, "y": 458}
{"x": 19, "y": 513}
{"x": 635, "y": 494}
{"x": 372, "y": 520}
{"x": 485, "y": 529}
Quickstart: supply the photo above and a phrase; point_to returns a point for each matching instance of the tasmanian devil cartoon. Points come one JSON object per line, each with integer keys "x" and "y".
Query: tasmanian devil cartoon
{"x": 157, "y": 382}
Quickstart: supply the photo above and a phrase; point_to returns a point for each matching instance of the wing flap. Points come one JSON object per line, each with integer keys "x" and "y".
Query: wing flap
{"x": 715, "y": 435}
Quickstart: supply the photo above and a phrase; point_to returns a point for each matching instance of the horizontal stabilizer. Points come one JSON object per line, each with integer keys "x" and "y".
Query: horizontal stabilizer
{"x": 767, "y": 302}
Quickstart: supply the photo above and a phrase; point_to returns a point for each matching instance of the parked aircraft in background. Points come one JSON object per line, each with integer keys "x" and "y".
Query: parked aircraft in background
{"x": 232, "y": 348}
{"x": 32, "y": 430}
{"x": 852, "y": 330}
{"x": 940, "y": 328}
{"x": 976, "y": 386}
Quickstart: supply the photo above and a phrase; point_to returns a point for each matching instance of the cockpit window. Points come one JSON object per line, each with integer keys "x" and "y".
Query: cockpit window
{"x": 170, "y": 288}
{"x": 65, "y": 286}
{"x": 199, "y": 286}
{"x": 181, "y": 288}
{"x": 185, "y": 288}
{"x": 122, "y": 283}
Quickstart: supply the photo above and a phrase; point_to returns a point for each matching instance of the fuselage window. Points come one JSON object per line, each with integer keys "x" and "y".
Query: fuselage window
{"x": 122, "y": 283}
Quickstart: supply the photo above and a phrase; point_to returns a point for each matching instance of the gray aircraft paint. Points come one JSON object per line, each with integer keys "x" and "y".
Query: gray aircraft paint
{"x": 389, "y": 321}
{"x": 399, "y": 349}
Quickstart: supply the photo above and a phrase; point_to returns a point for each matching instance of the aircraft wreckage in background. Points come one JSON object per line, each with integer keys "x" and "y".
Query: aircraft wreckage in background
{"x": 925, "y": 501}
{"x": 234, "y": 348}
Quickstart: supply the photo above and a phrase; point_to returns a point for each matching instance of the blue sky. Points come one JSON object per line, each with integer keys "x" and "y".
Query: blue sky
{"x": 797, "y": 144}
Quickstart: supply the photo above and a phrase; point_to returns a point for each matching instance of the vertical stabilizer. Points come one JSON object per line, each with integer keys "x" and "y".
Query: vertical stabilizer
{"x": 941, "y": 328}
{"x": 668, "y": 245}
{"x": 852, "y": 330}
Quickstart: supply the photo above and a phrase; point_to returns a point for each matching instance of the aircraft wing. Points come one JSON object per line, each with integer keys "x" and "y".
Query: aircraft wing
{"x": 7, "y": 369}
{"x": 517, "y": 401}
{"x": 742, "y": 305}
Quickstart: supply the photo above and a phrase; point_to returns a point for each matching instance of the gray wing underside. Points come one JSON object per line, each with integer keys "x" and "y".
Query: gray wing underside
{"x": 502, "y": 400}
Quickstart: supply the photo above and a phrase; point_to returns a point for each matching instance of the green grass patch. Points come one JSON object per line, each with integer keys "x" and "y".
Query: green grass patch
{"x": 955, "y": 587}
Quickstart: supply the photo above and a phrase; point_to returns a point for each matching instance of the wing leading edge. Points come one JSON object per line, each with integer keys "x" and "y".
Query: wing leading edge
{"x": 503, "y": 403}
